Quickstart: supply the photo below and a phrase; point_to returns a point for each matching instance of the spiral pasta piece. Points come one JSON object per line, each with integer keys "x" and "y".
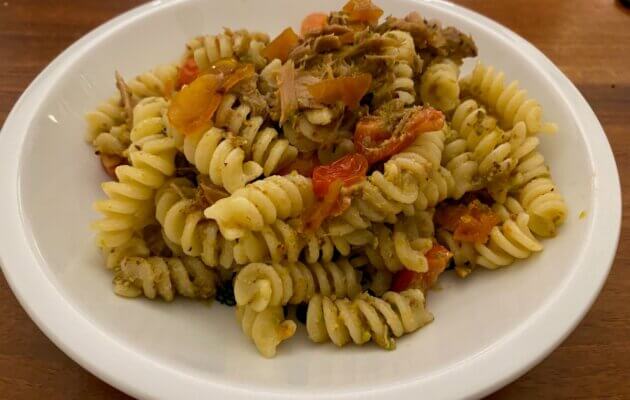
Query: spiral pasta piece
{"x": 129, "y": 206}
{"x": 429, "y": 145}
{"x": 261, "y": 285}
{"x": 460, "y": 162}
{"x": 544, "y": 204}
{"x": 366, "y": 318}
{"x": 267, "y": 329}
{"x": 107, "y": 115}
{"x": 158, "y": 82}
{"x": 336, "y": 235}
{"x": 220, "y": 155}
{"x": 531, "y": 182}
{"x": 276, "y": 242}
{"x": 438, "y": 186}
{"x": 403, "y": 55}
{"x": 402, "y": 246}
{"x": 404, "y": 50}
{"x": 114, "y": 141}
{"x": 439, "y": 87}
{"x": 216, "y": 251}
{"x": 178, "y": 216}
{"x": 472, "y": 122}
{"x": 262, "y": 145}
{"x": 262, "y": 203}
{"x": 512, "y": 240}
{"x": 135, "y": 247}
{"x": 243, "y": 45}
{"x": 164, "y": 277}
{"x": 509, "y": 102}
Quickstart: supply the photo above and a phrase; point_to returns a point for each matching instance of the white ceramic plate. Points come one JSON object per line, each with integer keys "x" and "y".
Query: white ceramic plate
{"x": 489, "y": 329}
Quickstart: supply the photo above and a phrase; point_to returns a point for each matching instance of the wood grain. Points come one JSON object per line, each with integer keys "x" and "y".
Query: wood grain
{"x": 588, "y": 39}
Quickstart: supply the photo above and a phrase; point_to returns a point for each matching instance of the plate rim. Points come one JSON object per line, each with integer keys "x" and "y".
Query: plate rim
{"x": 140, "y": 376}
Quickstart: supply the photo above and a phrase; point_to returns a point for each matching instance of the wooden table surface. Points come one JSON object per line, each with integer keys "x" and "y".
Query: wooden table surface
{"x": 588, "y": 39}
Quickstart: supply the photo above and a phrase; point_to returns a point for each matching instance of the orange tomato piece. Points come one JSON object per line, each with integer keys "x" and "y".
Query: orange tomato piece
{"x": 376, "y": 143}
{"x": 324, "y": 208}
{"x": 348, "y": 89}
{"x": 281, "y": 46}
{"x": 241, "y": 73}
{"x": 448, "y": 216}
{"x": 224, "y": 66}
{"x": 313, "y": 23}
{"x": 437, "y": 257}
{"x": 362, "y": 11}
{"x": 471, "y": 223}
{"x": 349, "y": 169}
{"x": 192, "y": 108}
{"x": 188, "y": 72}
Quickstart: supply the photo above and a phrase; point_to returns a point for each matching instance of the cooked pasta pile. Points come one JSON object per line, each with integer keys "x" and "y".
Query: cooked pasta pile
{"x": 327, "y": 177}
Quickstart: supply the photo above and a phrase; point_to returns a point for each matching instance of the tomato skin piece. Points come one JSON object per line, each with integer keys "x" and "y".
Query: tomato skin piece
{"x": 403, "y": 280}
{"x": 373, "y": 139}
{"x": 192, "y": 108}
{"x": 468, "y": 223}
{"x": 281, "y": 46}
{"x": 313, "y": 23}
{"x": 437, "y": 257}
{"x": 362, "y": 11}
{"x": 448, "y": 216}
{"x": 188, "y": 72}
{"x": 348, "y": 89}
{"x": 324, "y": 208}
{"x": 239, "y": 74}
{"x": 349, "y": 169}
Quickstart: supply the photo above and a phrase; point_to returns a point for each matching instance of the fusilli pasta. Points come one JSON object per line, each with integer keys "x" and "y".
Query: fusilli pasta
{"x": 241, "y": 44}
{"x": 164, "y": 277}
{"x": 267, "y": 329}
{"x": 262, "y": 285}
{"x": 439, "y": 86}
{"x": 262, "y": 145}
{"x": 509, "y": 102}
{"x": 366, "y": 318}
{"x": 261, "y": 203}
{"x": 129, "y": 205}
{"x": 329, "y": 177}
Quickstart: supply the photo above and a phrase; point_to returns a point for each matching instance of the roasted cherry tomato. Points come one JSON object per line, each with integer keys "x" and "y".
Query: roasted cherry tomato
{"x": 348, "y": 89}
{"x": 349, "y": 169}
{"x": 187, "y": 72}
{"x": 281, "y": 46}
{"x": 313, "y": 22}
{"x": 468, "y": 223}
{"x": 362, "y": 11}
{"x": 376, "y": 142}
{"x": 437, "y": 258}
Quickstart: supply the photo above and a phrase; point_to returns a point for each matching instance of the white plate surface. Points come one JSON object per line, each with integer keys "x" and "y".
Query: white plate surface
{"x": 489, "y": 329}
